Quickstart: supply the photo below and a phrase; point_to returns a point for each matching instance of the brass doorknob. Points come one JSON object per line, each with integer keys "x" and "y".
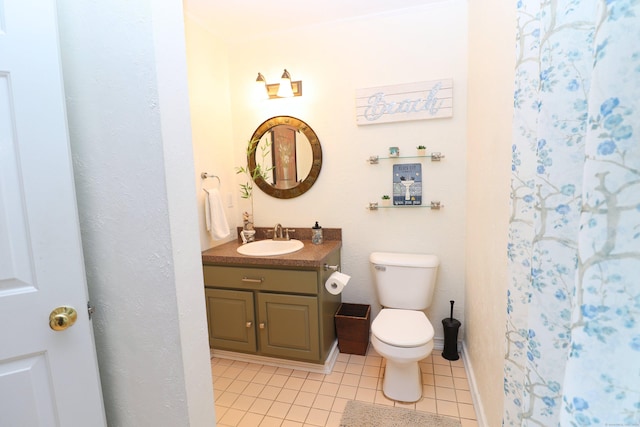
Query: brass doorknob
{"x": 62, "y": 317}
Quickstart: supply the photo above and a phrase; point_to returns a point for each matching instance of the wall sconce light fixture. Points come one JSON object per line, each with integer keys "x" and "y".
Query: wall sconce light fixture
{"x": 285, "y": 89}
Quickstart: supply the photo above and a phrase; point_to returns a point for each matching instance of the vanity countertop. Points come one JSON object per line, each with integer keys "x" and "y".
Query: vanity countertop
{"x": 310, "y": 256}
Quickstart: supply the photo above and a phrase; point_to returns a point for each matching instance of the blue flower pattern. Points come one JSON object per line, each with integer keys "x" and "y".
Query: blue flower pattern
{"x": 573, "y": 301}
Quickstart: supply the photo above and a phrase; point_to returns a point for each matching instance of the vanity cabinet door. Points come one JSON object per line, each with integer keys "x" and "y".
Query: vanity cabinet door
{"x": 288, "y": 326}
{"x": 230, "y": 315}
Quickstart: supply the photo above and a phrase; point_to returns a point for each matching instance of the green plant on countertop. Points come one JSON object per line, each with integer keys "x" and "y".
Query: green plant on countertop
{"x": 246, "y": 189}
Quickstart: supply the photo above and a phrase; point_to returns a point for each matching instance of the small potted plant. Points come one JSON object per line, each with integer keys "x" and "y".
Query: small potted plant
{"x": 386, "y": 200}
{"x": 421, "y": 150}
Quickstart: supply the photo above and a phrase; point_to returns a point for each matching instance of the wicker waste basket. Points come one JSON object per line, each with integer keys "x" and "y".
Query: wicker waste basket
{"x": 352, "y": 327}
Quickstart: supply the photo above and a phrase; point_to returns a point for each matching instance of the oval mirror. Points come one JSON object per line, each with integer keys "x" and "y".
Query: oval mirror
{"x": 289, "y": 154}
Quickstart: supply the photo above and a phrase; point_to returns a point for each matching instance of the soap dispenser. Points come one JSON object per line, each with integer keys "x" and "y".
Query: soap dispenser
{"x": 316, "y": 234}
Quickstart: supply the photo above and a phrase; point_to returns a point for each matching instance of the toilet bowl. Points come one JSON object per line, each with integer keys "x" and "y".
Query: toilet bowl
{"x": 401, "y": 332}
{"x": 403, "y": 338}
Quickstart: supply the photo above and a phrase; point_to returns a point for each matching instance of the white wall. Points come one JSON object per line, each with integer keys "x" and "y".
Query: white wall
{"x": 125, "y": 76}
{"x": 333, "y": 60}
{"x": 209, "y": 100}
{"x": 491, "y": 73}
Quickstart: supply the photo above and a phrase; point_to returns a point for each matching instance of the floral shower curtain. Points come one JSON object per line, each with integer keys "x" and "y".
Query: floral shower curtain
{"x": 573, "y": 314}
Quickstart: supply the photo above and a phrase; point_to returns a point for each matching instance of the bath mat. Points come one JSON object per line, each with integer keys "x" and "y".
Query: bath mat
{"x": 360, "y": 414}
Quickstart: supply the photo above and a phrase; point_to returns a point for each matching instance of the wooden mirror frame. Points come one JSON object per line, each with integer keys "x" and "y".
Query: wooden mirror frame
{"x": 316, "y": 151}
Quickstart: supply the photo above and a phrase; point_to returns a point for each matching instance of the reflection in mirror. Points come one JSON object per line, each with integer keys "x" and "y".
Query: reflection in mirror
{"x": 290, "y": 153}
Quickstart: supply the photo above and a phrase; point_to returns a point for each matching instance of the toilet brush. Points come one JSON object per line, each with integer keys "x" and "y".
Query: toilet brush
{"x": 451, "y": 327}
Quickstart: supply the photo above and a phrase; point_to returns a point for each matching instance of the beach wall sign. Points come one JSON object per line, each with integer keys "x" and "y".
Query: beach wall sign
{"x": 399, "y": 103}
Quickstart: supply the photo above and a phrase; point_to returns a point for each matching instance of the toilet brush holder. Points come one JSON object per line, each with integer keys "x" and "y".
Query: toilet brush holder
{"x": 450, "y": 326}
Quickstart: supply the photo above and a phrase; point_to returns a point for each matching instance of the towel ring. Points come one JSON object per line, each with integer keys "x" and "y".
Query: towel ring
{"x": 205, "y": 175}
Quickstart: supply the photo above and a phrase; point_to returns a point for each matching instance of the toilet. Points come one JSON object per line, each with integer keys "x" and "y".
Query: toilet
{"x": 401, "y": 332}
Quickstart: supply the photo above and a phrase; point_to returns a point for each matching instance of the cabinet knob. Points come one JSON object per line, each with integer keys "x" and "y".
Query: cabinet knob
{"x": 262, "y": 325}
{"x": 249, "y": 324}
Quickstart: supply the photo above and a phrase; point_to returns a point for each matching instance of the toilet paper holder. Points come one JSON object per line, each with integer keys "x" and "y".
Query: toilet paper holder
{"x": 331, "y": 267}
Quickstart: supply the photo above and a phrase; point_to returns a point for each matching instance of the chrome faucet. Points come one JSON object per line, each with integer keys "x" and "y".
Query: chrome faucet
{"x": 280, "y": 233}
{"x": 277, "y": 236}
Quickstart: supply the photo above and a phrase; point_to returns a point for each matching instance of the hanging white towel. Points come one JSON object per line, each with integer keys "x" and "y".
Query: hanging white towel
{"x": 214, "y": 215}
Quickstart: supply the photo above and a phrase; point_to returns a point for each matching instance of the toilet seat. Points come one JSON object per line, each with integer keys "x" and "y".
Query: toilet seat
{"x": 402, "y": 328}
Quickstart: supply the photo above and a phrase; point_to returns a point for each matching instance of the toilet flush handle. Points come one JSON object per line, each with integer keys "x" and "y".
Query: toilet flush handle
{"x": 380, "y": 267}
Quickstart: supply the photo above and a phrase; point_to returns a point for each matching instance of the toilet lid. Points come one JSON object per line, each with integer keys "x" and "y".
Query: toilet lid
{"x": 402, "y": 328}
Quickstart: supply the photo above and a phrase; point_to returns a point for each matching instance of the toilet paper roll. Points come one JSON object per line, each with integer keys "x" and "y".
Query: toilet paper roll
{"x": 336, "y": 282}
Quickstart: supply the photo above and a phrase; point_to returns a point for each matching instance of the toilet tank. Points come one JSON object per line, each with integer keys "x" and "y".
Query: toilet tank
{"x": 404, "y": 281}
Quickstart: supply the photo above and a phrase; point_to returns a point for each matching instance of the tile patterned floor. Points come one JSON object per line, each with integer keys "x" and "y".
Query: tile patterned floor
{"x": 248, "y": 394}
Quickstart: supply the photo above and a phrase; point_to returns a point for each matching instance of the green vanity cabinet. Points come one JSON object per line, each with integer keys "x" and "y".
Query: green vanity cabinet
{"x": 277, "y": 312}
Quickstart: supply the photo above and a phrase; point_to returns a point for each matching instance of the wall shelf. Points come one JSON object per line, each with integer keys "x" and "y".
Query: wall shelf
{"x": 434, "y": 205}
{"x": 435, "y": 157}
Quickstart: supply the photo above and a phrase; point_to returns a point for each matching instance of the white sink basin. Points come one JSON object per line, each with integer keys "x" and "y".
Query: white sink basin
{"x": 270, "y": 247}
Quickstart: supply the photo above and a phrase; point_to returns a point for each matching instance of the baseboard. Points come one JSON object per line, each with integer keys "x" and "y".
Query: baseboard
{"x": 326, "y": 368}
{"x": 473, "y": 386}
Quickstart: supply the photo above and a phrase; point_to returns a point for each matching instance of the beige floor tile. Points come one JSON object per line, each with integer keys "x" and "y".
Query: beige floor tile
{"x": 459, "y": 372}
{"x": 442, "y": 370}
{"x": 444, "y": 393}
{"x": 346, "y": 392}
{"x": 328, "y": 389}
{"x": 323, "y": 402}
{"x": 305, "y": 399}
{"x": 231, "y": 372}
{"x": 461, "y": 383}
{"x": 334, "y": 419}
{"x": 317, "y": 417}
{"x": 311, "y": 386}
{"x": 427, "y": 404}
{"x": 357, "y": 359}
{"x": 339, "y": 404}
{"x": 339, "y": 366}
{"x": 381, "y": 399}
{"x": 279, "y": 410}
{"x": 368, "y": 382}
{"x": 237, "y": 386}
{"x": 366, "y": 395}
{"x": 261, "y": 406}
{"x": 335, "y": 377}
{"x": 278, "y": 380}
{"x": 246, "y": 375}
{"x": 466, "y": 411}
{"x": 297, "y": 413}
{"x": 287, "y": 395}
{"x": 251, "y": 420}
{"x": 251, "y": 394}
{"x": 227, "y": 399}
{"x": 243, "y": 403}
{"x": 253, "y": 389}
{"x": 294, "y": 383}
{"x": 404, "y": 405}
{"x": 429, "y": 391}
{"x": 371, "y": 371}
{"x": 464, "y": 396}
{"x": 354, "y": 368}
{"x": 443, "y": 381}
{"x": 439, "y": 360}
{"x": 270, "y": 422}
{"x": 350, "y": 379}
{"x": 447, "y": 408}
{"x": 232, "y": 417}
{"x": 270, "y": 392}
{"x": 299, "y": 374}
{"x": 262, "y": 377}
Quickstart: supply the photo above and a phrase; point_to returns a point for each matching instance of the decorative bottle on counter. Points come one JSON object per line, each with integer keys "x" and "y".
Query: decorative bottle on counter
{"x": 316, "y": 234}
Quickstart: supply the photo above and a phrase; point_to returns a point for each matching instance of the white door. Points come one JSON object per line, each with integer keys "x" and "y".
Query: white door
{"x": 47, "y": 377}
